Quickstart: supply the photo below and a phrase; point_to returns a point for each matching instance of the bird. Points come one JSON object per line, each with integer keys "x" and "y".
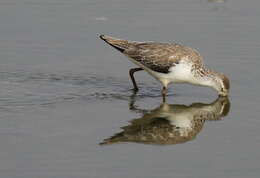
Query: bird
{"x": 169, "y": 63}
{"x": 170, "y": 123}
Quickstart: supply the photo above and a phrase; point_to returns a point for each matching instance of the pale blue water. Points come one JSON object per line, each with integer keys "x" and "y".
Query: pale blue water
{"x": 63, "y": 91}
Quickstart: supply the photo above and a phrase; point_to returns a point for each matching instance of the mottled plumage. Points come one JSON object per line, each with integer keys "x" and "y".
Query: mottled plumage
{"x": 169, "y": 62}
{"x": 158, "y": 57}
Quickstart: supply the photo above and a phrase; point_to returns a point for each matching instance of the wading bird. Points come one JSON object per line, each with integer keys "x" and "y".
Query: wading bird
{"x": 169, "y": 63}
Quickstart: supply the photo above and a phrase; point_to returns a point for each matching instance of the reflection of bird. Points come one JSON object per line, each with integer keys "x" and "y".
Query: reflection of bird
{"x": 171, "y": 124}
{"x": 169, "y": 63}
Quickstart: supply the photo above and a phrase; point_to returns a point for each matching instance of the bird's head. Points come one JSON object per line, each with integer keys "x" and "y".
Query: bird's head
{"x": 222, "y": 85}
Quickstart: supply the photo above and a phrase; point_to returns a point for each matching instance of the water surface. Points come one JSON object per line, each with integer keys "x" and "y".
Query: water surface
{"x": 63, "y": 91}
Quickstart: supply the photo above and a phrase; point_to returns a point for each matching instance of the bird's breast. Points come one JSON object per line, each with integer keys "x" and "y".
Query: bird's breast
{"x": 181, "y": 73}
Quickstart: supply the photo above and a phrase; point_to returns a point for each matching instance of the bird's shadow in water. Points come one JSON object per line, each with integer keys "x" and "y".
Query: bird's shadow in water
{"x": 169, "y": 123}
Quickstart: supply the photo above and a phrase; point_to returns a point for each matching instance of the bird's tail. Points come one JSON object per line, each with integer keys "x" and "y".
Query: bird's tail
{"x": 119, "y": 44}
{"x": 117, "y": 138}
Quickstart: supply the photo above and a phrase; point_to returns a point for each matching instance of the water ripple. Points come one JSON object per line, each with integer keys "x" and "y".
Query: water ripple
{"x": 22, "y": 89}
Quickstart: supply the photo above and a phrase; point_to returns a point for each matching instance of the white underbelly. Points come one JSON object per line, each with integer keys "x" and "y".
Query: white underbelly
{"x": 181, "y": 73}
{"x": 182, "y": 122}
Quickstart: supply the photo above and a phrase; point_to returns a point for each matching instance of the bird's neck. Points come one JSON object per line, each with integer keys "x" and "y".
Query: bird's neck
{"x": 208, "y": 77}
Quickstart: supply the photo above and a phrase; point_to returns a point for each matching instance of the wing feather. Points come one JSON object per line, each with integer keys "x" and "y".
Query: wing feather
{"x": 160, "y": 57}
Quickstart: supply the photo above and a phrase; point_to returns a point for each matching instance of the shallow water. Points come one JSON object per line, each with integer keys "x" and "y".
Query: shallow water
{"x": 63, "y": 91}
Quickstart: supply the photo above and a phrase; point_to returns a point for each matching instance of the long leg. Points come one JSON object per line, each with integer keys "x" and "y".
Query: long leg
{"x": 164, "y": 92}
{"x": 131, "y": 73}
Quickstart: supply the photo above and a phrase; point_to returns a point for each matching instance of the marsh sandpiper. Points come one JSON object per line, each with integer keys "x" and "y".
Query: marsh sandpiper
{"x": 169, "y": 63}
